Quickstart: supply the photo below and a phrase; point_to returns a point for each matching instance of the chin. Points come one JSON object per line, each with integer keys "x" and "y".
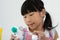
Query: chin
{"x": 32, "y": 28}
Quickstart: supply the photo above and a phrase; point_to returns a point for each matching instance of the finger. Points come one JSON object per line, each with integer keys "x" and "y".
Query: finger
{"x": 36, "y": 32}
{"x": 17, "y": 38}
{"x": 12, "y": 37}
{"x": 39, "y": 33}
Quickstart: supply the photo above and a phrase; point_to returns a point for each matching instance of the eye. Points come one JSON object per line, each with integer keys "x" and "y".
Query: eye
{"x": 25, "y": 17}
{"x": 31, "y": 14}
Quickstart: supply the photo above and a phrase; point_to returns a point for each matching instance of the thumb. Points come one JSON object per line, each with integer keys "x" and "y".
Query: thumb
{"x": 36, "y": 32}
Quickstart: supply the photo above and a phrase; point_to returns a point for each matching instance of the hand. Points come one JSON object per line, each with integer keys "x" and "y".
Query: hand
{"x": 41, "y": 35}
{"x": 13, "y": 37}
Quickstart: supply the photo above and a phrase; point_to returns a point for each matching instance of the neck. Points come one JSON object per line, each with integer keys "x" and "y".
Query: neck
{"x": 40, "y": 28}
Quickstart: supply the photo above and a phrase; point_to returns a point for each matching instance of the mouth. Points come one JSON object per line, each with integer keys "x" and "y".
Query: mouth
{"x": 31, "y": 24}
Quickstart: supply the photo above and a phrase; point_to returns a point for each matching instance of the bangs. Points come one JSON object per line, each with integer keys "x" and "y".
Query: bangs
{"x": 31, "y": 6}
{"x": 27, "y": 8}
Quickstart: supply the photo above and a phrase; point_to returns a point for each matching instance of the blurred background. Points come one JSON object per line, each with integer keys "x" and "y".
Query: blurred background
{"x": 10, "y": 15}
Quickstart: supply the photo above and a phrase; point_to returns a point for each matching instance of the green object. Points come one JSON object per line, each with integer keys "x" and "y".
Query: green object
{"x": 14, "y": 29}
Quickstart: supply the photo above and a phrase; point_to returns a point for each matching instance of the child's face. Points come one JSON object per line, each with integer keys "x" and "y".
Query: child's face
{"x": 34, "y": 19}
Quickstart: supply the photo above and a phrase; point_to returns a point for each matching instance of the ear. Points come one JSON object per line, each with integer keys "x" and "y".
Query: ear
{"x": 42, "y": 13}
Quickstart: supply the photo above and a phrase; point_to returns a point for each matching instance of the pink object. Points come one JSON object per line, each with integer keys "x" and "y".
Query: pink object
{"x": 49, "y": 38}
{"x": 27, "y": 35}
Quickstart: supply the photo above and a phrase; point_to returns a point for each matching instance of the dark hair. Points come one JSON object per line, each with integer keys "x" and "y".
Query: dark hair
{"x": 36, "y": 5}
{"x": 31, "y": 6}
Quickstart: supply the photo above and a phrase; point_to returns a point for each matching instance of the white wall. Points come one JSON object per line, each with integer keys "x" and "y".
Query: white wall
{"x": 10, "y": 15}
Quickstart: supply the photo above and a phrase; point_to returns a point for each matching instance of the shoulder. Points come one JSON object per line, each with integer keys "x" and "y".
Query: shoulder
{"x": 53, "y": 31}
{"x": 54, "y": 34}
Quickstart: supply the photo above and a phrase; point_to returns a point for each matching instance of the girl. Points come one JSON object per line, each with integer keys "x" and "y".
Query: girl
{"x": 38, "y": 20}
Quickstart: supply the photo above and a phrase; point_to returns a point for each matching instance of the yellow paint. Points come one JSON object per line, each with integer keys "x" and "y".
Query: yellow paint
{"x": 0, "y": 33}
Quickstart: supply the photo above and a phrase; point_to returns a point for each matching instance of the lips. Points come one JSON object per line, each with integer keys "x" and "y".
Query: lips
{"x": 31, "y": 24}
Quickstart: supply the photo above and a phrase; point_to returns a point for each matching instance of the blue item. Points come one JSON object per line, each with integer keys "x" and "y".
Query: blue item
{"x": 14, "y": 29}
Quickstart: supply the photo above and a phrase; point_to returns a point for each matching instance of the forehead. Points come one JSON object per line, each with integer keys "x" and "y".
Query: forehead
{"x": 31, "y": 13}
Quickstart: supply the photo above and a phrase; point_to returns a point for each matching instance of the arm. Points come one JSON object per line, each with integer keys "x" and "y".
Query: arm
{"x": 56, "y": 36}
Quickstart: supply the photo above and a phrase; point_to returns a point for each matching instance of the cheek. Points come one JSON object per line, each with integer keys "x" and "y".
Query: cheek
{"x": 25, "y": 21}
{"x": 38, "y": 20}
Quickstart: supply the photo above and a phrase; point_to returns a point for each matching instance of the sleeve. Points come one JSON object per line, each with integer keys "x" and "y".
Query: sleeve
{"x": 53, "y": 33}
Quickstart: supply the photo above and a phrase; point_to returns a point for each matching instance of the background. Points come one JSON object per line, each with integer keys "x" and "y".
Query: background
{"x": 10, "y": 15}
